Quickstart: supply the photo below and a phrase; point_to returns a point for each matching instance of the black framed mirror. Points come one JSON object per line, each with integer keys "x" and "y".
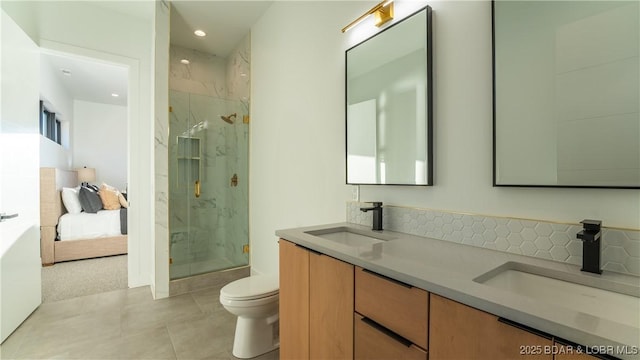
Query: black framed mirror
{"x": 566, "y": 94}
{"x": 389, "y": 121}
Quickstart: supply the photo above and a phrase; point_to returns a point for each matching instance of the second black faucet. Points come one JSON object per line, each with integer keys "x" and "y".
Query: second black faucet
{"x": 591, "y": 245}
{"x": 377, "y": 215}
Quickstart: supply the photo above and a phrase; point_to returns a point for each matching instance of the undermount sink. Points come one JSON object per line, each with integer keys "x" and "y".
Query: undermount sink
{"x": 349, "y": 236}
{"x": 614, "y": 301}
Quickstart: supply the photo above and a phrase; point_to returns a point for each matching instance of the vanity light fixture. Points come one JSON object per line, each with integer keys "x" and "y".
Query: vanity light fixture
{"x": 200, "y": 33}
{"x": 383, "y": 13}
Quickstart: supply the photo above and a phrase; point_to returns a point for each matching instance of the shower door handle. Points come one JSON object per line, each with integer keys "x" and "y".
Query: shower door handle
{"x": 196, "y": 189}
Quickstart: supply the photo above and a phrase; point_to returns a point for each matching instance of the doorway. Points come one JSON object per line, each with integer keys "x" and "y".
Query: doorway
{"x": 88, "y": 93}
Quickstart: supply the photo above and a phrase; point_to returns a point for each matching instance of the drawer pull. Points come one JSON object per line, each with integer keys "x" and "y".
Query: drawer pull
{"x": 388, "y": 279}
{"x": 387, "y": 332}
{"x": 525, "y": 328}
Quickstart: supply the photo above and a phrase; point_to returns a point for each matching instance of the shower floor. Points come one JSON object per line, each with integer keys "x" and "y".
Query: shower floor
{"x": 178, "y": 271}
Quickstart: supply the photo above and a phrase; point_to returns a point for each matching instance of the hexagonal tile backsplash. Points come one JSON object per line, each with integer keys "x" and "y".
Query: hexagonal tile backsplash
{"x": 620, "y": 248}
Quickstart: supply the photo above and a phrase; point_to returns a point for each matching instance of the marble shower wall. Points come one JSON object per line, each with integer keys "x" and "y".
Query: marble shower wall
{"x": 542, "y": 239}
{"x": 239, "y": 74}
{"x": 207, "y": 233}
{"x": 210, "y": 75}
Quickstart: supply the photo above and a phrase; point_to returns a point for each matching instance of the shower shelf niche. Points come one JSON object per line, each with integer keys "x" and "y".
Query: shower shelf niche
{"x": 189, "y": 160}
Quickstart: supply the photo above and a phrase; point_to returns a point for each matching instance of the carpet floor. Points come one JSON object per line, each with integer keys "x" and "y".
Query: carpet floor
{"x": 71, "y": 279}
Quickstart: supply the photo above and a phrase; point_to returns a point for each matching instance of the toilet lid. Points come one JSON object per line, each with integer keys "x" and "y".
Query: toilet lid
{"x": 252, "y": 287}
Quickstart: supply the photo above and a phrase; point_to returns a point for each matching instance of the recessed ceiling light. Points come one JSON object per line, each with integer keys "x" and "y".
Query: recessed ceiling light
{"x": 200, "y": 33}
{"x": 66, "y": 72}
{"x": 185, "y": 61}
{"x": 114, "y": 95}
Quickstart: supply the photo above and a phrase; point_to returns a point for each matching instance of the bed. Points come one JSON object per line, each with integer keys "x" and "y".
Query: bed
{"x": 52, "y": 180}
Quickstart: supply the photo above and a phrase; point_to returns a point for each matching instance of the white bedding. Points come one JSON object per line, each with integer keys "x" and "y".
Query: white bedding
{"x": 88, "y": 226}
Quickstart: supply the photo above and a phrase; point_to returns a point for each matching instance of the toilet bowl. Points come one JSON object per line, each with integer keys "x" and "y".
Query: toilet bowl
{"x": 254, "y": 300}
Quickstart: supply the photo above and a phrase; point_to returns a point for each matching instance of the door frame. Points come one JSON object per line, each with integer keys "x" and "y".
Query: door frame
{"x": 134, "y": 245}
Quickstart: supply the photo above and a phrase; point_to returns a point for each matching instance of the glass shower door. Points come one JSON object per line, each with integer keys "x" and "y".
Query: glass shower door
{"x": 208, "y": 204}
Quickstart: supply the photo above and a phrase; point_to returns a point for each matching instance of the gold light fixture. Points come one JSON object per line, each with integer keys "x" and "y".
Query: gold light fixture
{"x": 382, "y": 12}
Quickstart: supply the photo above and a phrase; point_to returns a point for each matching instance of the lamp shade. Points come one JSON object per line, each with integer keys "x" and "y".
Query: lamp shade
{"x": 86, "y": 175}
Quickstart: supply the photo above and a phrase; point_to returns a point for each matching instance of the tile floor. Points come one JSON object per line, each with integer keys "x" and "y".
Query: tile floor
{"x": 127, "y": 324}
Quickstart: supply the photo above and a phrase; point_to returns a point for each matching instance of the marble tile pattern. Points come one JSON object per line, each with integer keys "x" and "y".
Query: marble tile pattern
{"x": 161, "y": 140}
{"x": 204, "y": 75}
{"x": 239, "y": 73}
{"x": 208, "y": 233}
{"x": 212, "y": 75}
{"x": 547, "y": 240}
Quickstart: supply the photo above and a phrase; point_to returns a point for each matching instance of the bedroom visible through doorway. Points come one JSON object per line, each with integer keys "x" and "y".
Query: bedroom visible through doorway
{"x": 89, "y": 97}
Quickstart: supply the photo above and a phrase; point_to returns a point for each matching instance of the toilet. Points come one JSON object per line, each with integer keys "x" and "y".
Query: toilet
{"x": 254, "y": 300}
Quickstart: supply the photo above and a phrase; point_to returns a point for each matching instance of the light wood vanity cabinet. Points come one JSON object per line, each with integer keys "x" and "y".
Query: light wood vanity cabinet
{"x": 294, "y": 301}
{"x": 330, "y": 309}
{"x": 391, "y": 318}
{"x": 316, "y": 305}
{"x": 574, "y": 357}
{"x": 373, "y": 341}
{"x": 568, "y": 352}
{"x": 458, "y": 331}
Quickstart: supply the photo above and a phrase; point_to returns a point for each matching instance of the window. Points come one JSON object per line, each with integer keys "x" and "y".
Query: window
{"x": 50, "y": 127}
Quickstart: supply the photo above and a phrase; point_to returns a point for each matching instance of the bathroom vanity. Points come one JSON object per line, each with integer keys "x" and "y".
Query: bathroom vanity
{"x": 349, "y": 292}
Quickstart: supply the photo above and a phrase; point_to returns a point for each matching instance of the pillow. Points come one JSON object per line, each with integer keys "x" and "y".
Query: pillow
{"x": 71, "y": 200}
{"x": 109, "y": 187}
{"x": 123, "y": 201}
{"x": 90, "y": 200}
{"x": 109, "y": 198}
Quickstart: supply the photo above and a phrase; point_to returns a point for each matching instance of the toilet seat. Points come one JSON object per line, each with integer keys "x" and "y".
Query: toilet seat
{"x": 251, "y": 288}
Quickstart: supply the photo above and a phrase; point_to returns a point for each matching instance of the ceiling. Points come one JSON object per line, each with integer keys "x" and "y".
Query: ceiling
{"x": 88, "y": 79}
{"x": 225, "y": 22}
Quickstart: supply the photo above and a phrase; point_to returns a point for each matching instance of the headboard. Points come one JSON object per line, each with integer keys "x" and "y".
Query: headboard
{"x": 52, "y": 181}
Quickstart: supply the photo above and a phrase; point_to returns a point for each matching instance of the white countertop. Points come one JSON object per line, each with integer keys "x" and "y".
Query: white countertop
{"x": 448, "y": 269}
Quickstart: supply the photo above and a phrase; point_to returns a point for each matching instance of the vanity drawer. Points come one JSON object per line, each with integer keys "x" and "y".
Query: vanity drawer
{"x": 400, "y": 308}
{"x": 374, "y": 342}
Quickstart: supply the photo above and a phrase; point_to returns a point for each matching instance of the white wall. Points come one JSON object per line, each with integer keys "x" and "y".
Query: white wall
{"x": 297, "y": 122}
{"x": 122, "y": 33}
{"x": 100, "y": 141}
{"x": 54, "y": 155}
{"x": 297, "y": 145}
{"x": 463, "y": 138}
{"x": 58, "y": 100}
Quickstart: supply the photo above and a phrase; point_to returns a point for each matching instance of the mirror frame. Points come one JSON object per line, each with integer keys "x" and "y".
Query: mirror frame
{"x": 495, "y": 183}
{"x": 429, "y": 100}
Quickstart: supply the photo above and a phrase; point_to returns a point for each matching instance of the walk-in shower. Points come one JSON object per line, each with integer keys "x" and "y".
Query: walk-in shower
{"x": 208, "y": 197}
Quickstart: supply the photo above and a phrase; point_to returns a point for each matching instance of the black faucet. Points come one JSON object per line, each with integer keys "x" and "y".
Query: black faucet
{"x": 591, "y": 245}
{"x": 377, "y": 215}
